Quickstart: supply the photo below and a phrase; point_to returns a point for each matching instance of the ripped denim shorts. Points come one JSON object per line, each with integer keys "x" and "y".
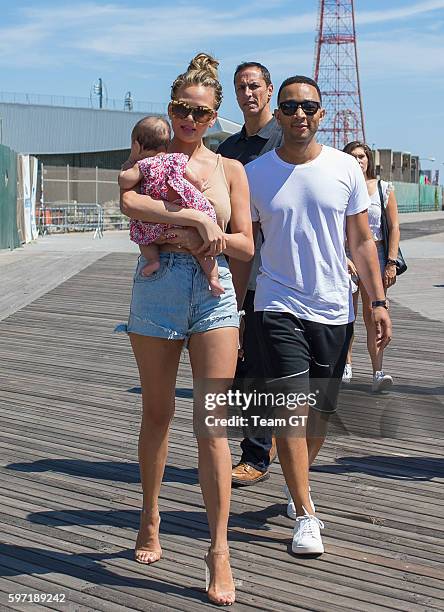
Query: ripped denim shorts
{"x": 175, "y": 301}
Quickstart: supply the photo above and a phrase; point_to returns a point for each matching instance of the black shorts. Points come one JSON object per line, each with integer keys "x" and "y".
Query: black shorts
{"x": 303, "y": 356}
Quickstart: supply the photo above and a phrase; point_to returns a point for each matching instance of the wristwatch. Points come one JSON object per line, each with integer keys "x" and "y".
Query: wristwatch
{"x": 393, "y": 262}
{"x": 381, "y": 303}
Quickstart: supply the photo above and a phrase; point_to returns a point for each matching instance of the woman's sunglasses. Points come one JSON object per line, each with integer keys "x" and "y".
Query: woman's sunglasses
{"x": 200, "y": 114}
{"x": 290, "y": 107}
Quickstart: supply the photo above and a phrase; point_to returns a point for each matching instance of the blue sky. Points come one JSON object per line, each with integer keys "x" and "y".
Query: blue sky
{"x": 62, "y": 48}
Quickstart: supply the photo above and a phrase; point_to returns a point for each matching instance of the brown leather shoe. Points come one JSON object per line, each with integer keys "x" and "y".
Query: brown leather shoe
{"x": 273, "y": 451}
{"x": 244, "y": 475}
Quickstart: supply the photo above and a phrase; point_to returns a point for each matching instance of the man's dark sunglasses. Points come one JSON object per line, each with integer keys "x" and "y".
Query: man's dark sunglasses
{"x": 290, "y": 107}
{"x": 200, "y": 114}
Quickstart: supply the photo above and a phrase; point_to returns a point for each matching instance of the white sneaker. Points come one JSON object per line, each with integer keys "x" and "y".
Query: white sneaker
{"x": 307, "y": 535}
{"x": 291, "y": 508}
{"x": 381, "y": 382}
{"x": 348, "y": 374}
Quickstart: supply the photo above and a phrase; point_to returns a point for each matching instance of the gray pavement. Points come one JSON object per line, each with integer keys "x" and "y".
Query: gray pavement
{"x": 33, "y": 270}
{"x": 421, "y": 288}
{"x": 422, "y": 216}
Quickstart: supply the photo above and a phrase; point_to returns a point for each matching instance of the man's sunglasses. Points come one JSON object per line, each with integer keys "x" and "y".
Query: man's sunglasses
{"x": 200, "y": 114}
{"x": 290, "y": 107}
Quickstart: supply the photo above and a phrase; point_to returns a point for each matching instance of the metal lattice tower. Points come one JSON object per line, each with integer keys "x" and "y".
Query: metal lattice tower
{"x": 336, "y": 71}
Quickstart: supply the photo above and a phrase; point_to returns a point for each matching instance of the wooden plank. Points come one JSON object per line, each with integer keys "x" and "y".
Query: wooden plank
{"x": 69, "y": 475}
{"x": 76, "y": 601}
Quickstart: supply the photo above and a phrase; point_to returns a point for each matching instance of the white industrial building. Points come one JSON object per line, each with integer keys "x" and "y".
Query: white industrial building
{"x": 80, "y": 137}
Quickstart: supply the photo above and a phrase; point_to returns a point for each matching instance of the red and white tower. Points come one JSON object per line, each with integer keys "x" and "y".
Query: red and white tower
{"x": 336, "y": 71}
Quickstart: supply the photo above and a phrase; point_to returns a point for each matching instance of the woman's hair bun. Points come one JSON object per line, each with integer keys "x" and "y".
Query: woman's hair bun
{"x": 203, "y": 62}
{"x": 201, "y": 71}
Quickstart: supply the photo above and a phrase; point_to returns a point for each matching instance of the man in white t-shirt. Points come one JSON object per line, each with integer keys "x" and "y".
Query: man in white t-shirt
{"x": 306, "y": 198}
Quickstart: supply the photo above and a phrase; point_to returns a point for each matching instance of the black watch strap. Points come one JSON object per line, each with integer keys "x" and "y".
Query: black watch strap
{"x": 392, "y": 261}
{"x": 378, "y": 303}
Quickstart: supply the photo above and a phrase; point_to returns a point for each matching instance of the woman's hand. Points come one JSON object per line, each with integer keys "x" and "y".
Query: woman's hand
{"x": 389, "y": 278}
{"x": 241, "y": 352}
{"x": 186, "y": 237}
{"x": 214, "y": 239}
{"x": 351, "y": 268}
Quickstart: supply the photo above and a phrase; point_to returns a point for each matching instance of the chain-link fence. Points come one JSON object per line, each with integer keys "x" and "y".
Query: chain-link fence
{"x": 69, "y": 184}
{"x": 64, "y": 187}
{"x": 72, "y": 184}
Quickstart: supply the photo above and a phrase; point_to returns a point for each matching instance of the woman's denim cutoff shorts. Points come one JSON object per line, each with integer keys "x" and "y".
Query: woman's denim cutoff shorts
{"x": 175, "y": 301}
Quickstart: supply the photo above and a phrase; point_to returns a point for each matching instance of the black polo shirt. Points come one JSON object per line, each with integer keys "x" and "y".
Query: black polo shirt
{"x": 246, "y": 148}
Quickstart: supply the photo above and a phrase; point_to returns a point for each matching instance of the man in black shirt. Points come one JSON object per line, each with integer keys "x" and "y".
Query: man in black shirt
{"x": 259, "y": 134}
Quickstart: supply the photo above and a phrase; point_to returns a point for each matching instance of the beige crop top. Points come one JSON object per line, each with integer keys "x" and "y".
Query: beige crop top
{"x": 218, "y": 194}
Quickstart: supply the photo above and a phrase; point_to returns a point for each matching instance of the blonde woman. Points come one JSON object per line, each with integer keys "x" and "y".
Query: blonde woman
{"x": 174, "y": 305}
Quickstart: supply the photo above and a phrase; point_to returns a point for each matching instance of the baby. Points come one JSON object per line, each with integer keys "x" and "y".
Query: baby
{"x": 164, "y": 176}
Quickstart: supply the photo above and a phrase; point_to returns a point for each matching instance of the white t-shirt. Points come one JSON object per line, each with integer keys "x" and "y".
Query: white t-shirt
{"x": 374, "y": 210}
{"x": 302, "y": 211}
{"x": 256, "y": 263}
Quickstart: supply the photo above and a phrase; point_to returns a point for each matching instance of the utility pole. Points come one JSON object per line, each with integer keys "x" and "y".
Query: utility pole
{"x": 100, "y": 92}
{"x": 98, "y": 89}
{"x": 128, "y": 102}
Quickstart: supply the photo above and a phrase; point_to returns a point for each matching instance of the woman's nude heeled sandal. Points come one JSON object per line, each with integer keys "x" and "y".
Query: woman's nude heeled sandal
{"x": 225, "y": 598}
{"x": 141, "y": 552}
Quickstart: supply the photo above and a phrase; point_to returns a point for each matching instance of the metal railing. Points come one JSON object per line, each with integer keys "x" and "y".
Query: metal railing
{"x": 141, "y": 106}
{"x": 70, "y": 217}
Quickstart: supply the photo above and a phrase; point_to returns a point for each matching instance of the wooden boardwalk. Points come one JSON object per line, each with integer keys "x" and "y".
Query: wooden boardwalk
{"x": 69, "y": 486}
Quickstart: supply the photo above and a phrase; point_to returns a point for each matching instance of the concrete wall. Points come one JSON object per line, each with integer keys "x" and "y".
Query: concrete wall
{"x": 397, "y": 166}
